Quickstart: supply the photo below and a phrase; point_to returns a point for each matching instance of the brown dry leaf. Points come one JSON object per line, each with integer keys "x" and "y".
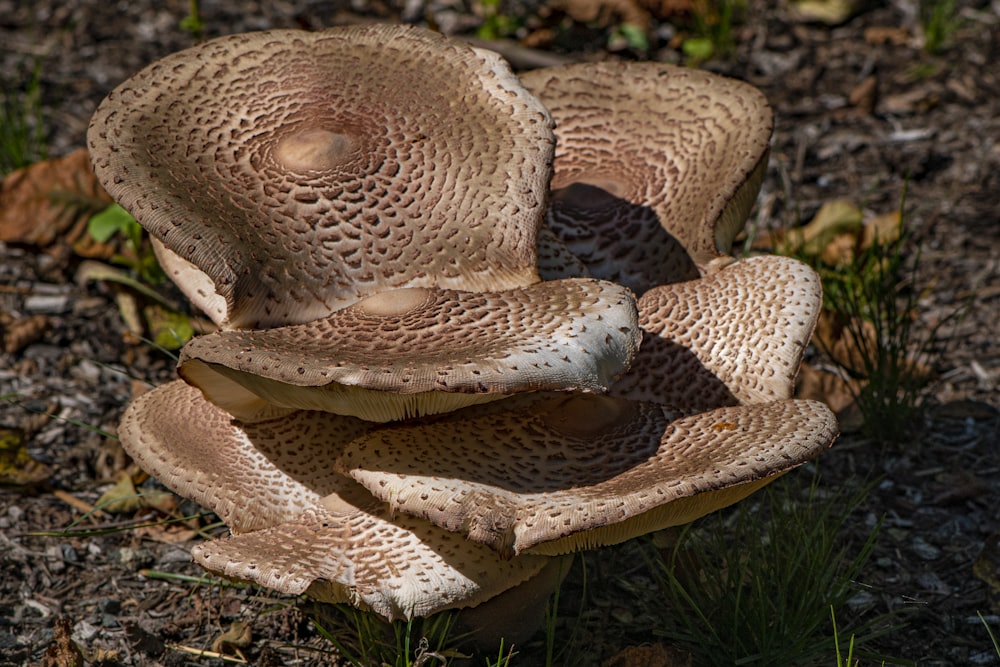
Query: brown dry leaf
{"x": 845, "y": 340}
{"x": 881, "y": 35}
{"x": 833, "y": 219}
{"x": 650, "y": 655}
{"x": 828, "y": 12}
{"x": 63, "y": 651}
{"x": 606, "y": 12}
{"x": 121, "y": 498}
{"x": 17, "y": 334}
{"x": 864, "y": 95}
{"x": 886, "y": 228}
{"x": 50, "y": 202}
{"x": 834, "y": 390}
{"x": 168, "y": 533}
{"x": 16, "y": 465}
{"x": 239, "y": 635}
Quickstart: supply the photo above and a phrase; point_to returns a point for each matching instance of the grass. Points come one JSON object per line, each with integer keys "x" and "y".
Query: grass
{"x": 874, "y": 299}
{"x": 22, "y": 130}
{"x": 939, "y": 21}
{"x": 712, "y": 30}
{"x": 756, "y": 585}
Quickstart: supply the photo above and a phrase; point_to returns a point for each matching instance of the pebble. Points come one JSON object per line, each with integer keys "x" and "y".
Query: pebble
{"x": 924, "y": 550}
{"x": 48, "y": 304}
{"x": 84, "y": 631}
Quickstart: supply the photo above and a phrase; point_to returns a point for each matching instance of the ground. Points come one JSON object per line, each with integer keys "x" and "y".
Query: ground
{"x": 865, "y": 112}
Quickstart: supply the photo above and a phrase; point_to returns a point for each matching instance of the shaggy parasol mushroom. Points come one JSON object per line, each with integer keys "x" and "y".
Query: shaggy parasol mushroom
{"x": 334, "y": 193}
{"x": 690, "y": 429}
{"x": 411, "y": 352}
{"x": 299, "y": 527}
{"x": 656, "y": 167}
{"x": 286, "y": 174}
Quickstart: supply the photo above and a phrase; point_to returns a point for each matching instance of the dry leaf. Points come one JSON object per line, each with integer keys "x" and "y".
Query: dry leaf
{"x": 650, "y": 655}
{"x": 17, "y": 334}
{"x": 63, "y": 651}
{"x": 121, "y": 498}
{"x": 836, "y": 391}
{"x": 886, "y": 228}
{"x": 16, "y": 465}
{"x": 50, "y": 202}
{"x": 236, "y": 637}
{"x": 606, "y": 12}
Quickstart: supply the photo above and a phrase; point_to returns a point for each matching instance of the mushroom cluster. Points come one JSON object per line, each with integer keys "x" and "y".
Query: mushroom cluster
{"x": 431, "y": 376}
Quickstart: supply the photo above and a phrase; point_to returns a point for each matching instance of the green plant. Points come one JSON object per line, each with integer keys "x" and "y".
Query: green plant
{"x": 875, "y": 298}
{"x": 496, "y": 23}
{"x": 192, "y": 23}
{"x": 364, "y": 639}
{"x": 139, "y": 256}
{"x": 712, "y": 30}
{"x": 989, "y": 631}
{"x": 754, "y": 585}
{"x": 22, "y": 130}
{"x": 939, "y": 20}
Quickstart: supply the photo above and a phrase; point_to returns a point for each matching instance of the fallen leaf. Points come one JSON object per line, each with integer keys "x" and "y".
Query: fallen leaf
{"x": 239, "y": 635}
{"x": 50, "y": 202}
{"x": 882, "y": 35}
{"x": 885, "y": 228}
{"x": 828, "y": 12}
{"x": 650, "y": 655}
{"x": 17, "y": 467}
{"x": 121, "y": 498}
{"x": 839, "y": 394}
{"x": 63, "y": 651}
{"x": 18, "y": 333}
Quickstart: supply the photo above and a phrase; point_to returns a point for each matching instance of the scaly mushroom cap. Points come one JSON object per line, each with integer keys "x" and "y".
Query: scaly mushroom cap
{"x": 656, "y": 168}
{"x": 299, "y": 172}
{"x": 418, "y": 351}
{"x": 552, "y": 475}
{"x": 298, "y": 526}
{"x": 736, "y": 336}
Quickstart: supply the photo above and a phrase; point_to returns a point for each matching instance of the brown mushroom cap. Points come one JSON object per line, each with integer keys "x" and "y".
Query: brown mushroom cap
{"x": 417, "y": 351}
{"x": 302, "y": 171}
{"x": 656, "y": 168}
{"x": 736, "y": 336}
{"x": 298, "y": 526}
{"x": 543, "y": 474}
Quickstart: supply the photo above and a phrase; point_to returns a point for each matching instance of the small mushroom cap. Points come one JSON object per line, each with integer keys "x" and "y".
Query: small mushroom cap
{"x": 543, "y": 474}
{"x": 302, "y": 171}
{"x": 420, "y": 351}
{"x": 298, "y": 526}
{"x": 736, "y": 336}
{"x": 656, "y": 168}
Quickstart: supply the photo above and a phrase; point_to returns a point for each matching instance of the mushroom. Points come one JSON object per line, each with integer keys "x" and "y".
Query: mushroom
{"x": 287, "y": 174}
{"x": 560, "y": 474}
{"x": 656, "y": 166}
{"x": 398, "y": 412}
{"x": 299, "y": 527}
{"x": 415, "y": 351}
{"x": 734, "y": 337}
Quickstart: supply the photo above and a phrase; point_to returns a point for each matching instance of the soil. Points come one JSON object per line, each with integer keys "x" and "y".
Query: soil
{"x": 864, "y": 113}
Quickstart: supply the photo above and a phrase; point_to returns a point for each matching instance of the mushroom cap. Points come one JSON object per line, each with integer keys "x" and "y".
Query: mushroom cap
{"x": 298, "y": 526}
{"x": 299, "y": 172}
{"x": 736, "y": 336}
{"x": 544, "y": 474}
{"x": 656, "y": 167}
{"x": 417, "y": 351}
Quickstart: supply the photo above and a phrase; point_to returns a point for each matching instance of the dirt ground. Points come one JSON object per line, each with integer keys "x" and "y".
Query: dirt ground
{"x": 864, "y": 113}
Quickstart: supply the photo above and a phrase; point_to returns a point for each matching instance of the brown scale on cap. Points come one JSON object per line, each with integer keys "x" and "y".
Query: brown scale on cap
{"x": 299, "y": 526}
{"x": 656, "y": 168}
{"x": 287, "y": 174}
{"x": 736, "y": 336}
{"x": 558, "y": 474}
{"x": 419, "y": 351}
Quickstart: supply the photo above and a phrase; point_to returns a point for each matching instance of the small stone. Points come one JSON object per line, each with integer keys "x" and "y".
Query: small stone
{"x": 924, "y": 550}
{"x": 84, "y": 631}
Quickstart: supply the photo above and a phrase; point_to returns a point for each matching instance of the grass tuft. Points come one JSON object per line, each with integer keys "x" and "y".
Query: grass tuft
{"x": 22, "y": 130}
{"x": 755, "y": 585}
